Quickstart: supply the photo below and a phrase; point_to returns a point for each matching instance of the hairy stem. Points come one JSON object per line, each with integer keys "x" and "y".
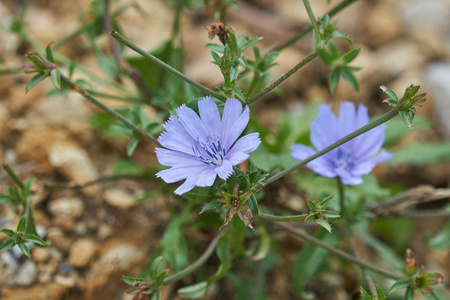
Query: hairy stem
{"x": 13, "y": 176}
{"x": 384, "y": 118}
{"x": 303, "y": 33}
{"x": 311, "y": 16}
{"x": 107, "y": 109}
{"x": 282, "y": 78}
{"x": 200, "y": 261}
{"x": 165, "y": 66}
{"x": 339, "y": 252}
{"x": 295, "y": 218}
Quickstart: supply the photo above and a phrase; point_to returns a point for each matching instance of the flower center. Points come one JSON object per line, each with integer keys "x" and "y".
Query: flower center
{"x": 211, "y": 152}
{"x": 343, "y": 159}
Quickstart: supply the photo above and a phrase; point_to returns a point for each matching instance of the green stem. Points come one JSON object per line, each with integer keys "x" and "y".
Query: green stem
{"x": 384, "y": 118}
{"x": 13, "y": 176}
{"x": 342, "y": 199}
{"x": 303, "y": 33}
{"x": 282, "y": 78}
{"x": 200, "y": 261}
{"x": 114, "y": 97}
{"x": 165, "y": 66}
{"x": 339, "y": 252}
{"x": 108, "y": 110}
{"x": 10, "y": 71}
{"x": 311, "y": 16}
{"x": 273, "y": 218}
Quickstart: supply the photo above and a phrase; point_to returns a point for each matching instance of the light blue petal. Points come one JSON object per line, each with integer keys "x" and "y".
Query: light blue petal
{"x": 346, "y": 118}
{"x": 186, "y": 186}
{"x": 225, "y": 170}
{"x": 363, "y": 168}
{"x": 175, "y": 158}
{"x": 230, "y": 134}
{"x": 361, "y": 119}
{"x": 383, "y": 156}
{"x": 210, "y": 116}
{"x": 370, "y": 144}
{"x": 231, "y": 112}
{"x": 324, "y": 129}
{"x": 246, "y": 144}
{"x": 321, "y": 165}
{"x": 192, "y": 123}
{"x": 176, "y": 137}
{"x": 347, "y": 178}
{"x": 206, "y": 178}
{"x": 237, "y": 157}
{"x": 177, "y": 173}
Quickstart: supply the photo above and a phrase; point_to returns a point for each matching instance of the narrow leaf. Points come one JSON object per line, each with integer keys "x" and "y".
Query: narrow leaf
{"x": 56, "y": 78}
{"x": 8, "y": 232}
{"x": 351, "y": 54}
{"x": 194, "y": 291}
{"x": 35, "y": 80}
{"x": 22, "y": 223}
{"x": 32, "y": 238}
{"x": 8, "y": 244}
{"x": 23, "y": 247}
{"x": 380, "y": 293}
{"x": 324, "y": 224}
{"x": 155, "y": 266}
{"x": 134, "y": 142}
{"x": 365, "y": 295}
{"x": 400, "y": 284}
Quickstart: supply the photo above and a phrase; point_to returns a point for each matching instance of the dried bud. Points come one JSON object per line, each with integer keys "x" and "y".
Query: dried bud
{"x": 410, "y": 263}
{"x": 217, "y": 28}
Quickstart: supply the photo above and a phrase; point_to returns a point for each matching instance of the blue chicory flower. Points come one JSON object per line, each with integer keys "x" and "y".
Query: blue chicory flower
{"x": 199, "y": 148}
{"x": 351, "y": 160}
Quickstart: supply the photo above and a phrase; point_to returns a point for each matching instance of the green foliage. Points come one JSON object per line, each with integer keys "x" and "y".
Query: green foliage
{"x": 442, "y": 239}
{"x": 421, "y": 153}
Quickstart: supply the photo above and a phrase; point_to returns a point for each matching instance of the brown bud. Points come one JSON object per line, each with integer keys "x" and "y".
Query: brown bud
{"x": 410, "y": 263}
{"x": 217, "y": 28}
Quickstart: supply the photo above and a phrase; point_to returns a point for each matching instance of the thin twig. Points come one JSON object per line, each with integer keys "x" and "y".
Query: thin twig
{"x": 435, "y": 213}
{"x": 282, "y": 78}
{"x": 107, "y": 109}
{"x": 13, "y": 176}
{"x": 132, "y": 72}
{"x": 165, "y": 66}
{"x": 339, "y": 252}
{"x": 200, "y": 261}
{"x": 274, "y": 218}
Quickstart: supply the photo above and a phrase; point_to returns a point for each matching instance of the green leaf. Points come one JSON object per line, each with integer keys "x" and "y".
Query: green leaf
{"x": 341, "y": 35}
{"x": 22, "y": 223}
{"x": 333, "y": 79}
{"x": 365, "y": 295}
{"x": 194, "y": 291}
{"x": 23, "y": 247}
{"x": 312, "y": 206}
{"x": 134, "y": 142}
{"x": 213, "y": 205}
{"x": 8, "y": 232}
{"x": 326, "y": 202}
{"x": 250, "y": 43}
{"x": 8, "y": 244}
{"x": 56, "y": 78}
{"x": 400, "y": 284}
{"x": 348, "y": 76}
{"x": 380, "y": 293}
{"x": 35, "y": 80}
{"x": 409, "y": 295}
{"x": 324, "y": 224}
{"x": 215, "y": 47}
{"x": 396, "y": 129}
{"x": 351, "y": 54}
{"x": 217, "y": 59}
{"x": 327, "y": 58}
{"x": 159, "y": 280}
{"x": 155, "y": 266}
{"x": 330, "y": 214}
{"x": 5, "y": 198}
{"x": 309, "y": 259}
{"x": 156, "y": 295}
{"x": 32, "y": 238}
{"x": 132, "y": 280}
{"x": 440, "y": 240}
{"x": 407, "y": 118}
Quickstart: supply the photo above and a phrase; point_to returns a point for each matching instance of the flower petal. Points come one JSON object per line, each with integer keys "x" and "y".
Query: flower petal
{"x": 192, "y": 123}
{"x": 324, "y": 129}
{"x": 186, "y": 186}
{"x": 175, "y": 174}
{"x": 232, "y": 126}
{"x": 246, "y": 144}
{"x": 382, "y": 156}
{"x": 346, "y": 118}
{"x": 210, "y": 116}
{"x": 320, "y": 165}
{"x": 348, "y": 178}
{"x": 206, "y": 178}
{"x": 225, "y": 170}
{"x": 237, "y": 157}
{"x": 176, "y": 137}
{"x": 370, "y": 144}
{"x": 172, "y": 158}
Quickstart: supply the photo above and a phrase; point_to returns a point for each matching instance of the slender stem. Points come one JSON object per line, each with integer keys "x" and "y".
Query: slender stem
{"x": 108, "y": 110}
{"x": 303, "y": 33}
{"x": 311, "y": 16}
{"x": 438, "y": 213}
{"x": 114, "y": 97}
{"x": 282, "y": 78}
{"x": 27, "y": 213}
{"x": 339, "y": 252}
{"x": 200, "y": 261}
{"x": 282, "y": 218}
{"x": 384, "y": 118}
{"x": 162, "y": 64}
{"x": 342, "y": 199}
{"x": 13, "y": 176}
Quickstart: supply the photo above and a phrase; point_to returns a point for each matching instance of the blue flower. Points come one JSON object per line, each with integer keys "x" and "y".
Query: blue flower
{"x": 199, "y": 148}
{"x": 351, "y": 160}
